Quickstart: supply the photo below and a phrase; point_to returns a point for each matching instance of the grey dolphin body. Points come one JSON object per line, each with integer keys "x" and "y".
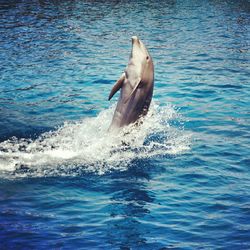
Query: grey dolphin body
{"x": 136, "y": 84}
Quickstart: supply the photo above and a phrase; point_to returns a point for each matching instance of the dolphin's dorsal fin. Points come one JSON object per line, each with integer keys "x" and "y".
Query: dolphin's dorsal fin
{"x": 134, "y": 89}
{"x": 117, "y": 85}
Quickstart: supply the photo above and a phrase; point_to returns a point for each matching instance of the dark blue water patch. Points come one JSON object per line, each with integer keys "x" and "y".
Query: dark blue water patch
{"x": 102, "y": 81}
{"x": 21, "y": 130}
{"x": 245, "y": 162}
{"x": 230, "y": 86}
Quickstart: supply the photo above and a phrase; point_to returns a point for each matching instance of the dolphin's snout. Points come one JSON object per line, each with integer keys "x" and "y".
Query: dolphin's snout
{"x": 135, "y": 39}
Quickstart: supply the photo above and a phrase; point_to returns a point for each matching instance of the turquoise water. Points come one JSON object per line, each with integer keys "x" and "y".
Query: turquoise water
{"x": 180, "y": 181}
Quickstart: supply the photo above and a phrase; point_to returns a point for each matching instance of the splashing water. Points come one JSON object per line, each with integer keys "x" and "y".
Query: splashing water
{"x": 87, "y": 146}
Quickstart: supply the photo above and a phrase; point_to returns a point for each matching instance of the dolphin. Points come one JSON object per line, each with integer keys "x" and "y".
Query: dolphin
{"x": 136, "y": 84}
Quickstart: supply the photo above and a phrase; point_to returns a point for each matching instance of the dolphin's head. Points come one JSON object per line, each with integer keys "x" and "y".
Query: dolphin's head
{"x": 142, "y": 60}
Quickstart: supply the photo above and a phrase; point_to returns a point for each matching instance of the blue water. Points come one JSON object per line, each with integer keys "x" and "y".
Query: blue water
{"x": 180, "y": 181}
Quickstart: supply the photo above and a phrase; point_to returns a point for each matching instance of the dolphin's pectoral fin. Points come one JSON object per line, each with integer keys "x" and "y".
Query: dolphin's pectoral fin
{"x": 134, "y": 89}
{"x": 117, "y": 85}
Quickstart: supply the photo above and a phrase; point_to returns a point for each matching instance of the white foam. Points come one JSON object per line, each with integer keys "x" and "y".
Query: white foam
{"x": 86, "y": 145}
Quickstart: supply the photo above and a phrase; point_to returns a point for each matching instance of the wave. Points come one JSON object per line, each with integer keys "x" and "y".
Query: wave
{"x": 87, "y": 146}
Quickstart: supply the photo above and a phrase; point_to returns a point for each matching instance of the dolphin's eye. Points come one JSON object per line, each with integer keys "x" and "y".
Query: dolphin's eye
{"x": 147, "y": 57}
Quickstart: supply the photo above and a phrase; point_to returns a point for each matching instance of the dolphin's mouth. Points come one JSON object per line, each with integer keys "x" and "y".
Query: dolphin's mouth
{"x": 135, "y": 39}
{"x": 136, "y": 46}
